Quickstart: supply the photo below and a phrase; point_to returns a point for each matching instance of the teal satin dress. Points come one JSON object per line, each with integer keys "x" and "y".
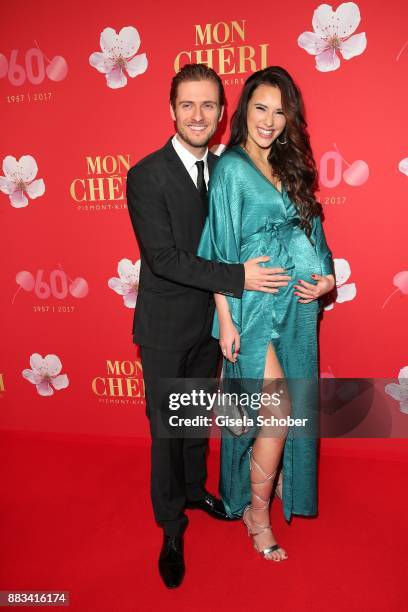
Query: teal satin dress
{"x": 249, "y": 217}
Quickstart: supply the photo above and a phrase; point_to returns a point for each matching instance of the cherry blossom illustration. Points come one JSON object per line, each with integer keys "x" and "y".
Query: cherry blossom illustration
{"x": 332, "y": 32}
{"x": 403, "y": 166}
{"x": 119, "y": 56}
{"x": 127, "y": 284}
{"x": 345, "y": 292}
{"x": 45, "y": 374}
{"x": 400, "y": 392}
{"x": 18, "y": 182}
{"x": 400, "y": 281}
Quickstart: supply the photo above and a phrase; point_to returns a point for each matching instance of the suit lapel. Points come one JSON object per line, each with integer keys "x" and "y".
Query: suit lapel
{"x": 179, "y": 172}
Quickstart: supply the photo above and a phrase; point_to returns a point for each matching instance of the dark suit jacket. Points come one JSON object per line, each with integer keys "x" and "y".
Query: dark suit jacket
{"x": 168, "y": 216}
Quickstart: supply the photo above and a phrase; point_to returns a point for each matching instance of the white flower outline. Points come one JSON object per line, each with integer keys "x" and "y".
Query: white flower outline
{"x": 400, "y": 392}
{"x": 403, "y": 166}
{"x": 119, "y": 55}
{"x": 333, "y": 32}
{"x": 345, "y": 292}
{"x": 127, "y": 285}
{"x": 18, "y": 182}
{"x": 45, "y": 374}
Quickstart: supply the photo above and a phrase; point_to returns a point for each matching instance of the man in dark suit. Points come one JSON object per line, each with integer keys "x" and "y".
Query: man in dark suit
{"x": 167, "y": 200}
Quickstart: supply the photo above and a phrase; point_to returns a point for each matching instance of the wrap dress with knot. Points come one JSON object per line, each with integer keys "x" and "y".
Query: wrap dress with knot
{"x": 248, "y": 217}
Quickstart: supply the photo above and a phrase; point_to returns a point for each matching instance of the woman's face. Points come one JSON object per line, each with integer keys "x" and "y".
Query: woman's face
{"x": 265, "y": 118}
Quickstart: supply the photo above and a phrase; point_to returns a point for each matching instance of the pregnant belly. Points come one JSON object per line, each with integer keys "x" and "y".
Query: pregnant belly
{"x": 268, "y": 314}
{"x": 297, "y": 255}
{"x": 304, "y": 256}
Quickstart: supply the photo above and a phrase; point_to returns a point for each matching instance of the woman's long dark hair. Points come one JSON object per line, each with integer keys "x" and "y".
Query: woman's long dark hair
{"x": 293, "y": 162}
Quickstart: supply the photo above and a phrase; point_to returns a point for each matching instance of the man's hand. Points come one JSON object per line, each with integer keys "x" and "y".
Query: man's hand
{"x": 263, "y": 279}
{"x": 307, "y": 292}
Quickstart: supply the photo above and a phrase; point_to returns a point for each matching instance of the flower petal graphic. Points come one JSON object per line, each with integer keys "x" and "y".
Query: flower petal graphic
{"x": 395, "y": 391}
{"x": 18, "y": 199}
{"x": 9, "y": 165}
{"x": 342, "y": 270}
{"x": 108, "y": 41}
{"x": 404, "y": 407}
{"x": 52, "y": 364}
{"x": 45, "y": 389}
{"x": 137, "y": 65}
{"x": 7, "y": 185}
{"x": 32, "y": 377}
{"x": 125, "y": 269}
{"x": 101, "y": 62}
{"x": 347, "y": 17}
{"x": 60, "y": 382}
{"x": 28, "y": 168}
{"x": 312, "y": 43}
{"x": 327, "y": 61}
{"x": 36, "y": 189}
{"x": 36, "y": 362}
{"x": 119, "y": 286}
{"x": 403, "y": 376}
{"x": 116, "y": 78}
{"x": 403, "y": 166}
{"x": 129, "y": 41}
{"x": 355, "y": 45}
{"x": 322, "y": 21}
{"x": 346, "y": 293}
{"x": 130, "y": 299}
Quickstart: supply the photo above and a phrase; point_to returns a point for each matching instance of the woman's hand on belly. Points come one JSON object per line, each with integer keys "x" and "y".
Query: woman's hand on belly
{"x": 307, "y": 292}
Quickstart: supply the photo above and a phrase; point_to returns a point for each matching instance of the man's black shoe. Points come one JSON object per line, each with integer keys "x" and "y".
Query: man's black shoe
{"x": 171, "y": 561}
{"x": 212, "y": 506}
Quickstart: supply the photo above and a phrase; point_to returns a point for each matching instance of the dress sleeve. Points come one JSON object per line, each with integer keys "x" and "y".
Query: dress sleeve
{"x": 325, "y": 255}
{"x": 221, "y": 236}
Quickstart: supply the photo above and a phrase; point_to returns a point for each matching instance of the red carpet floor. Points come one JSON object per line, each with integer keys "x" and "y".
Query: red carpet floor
{"x": 76, "y": 516}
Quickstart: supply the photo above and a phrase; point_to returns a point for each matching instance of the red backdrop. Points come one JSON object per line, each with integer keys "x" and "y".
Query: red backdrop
{"x": 82, "y": 134}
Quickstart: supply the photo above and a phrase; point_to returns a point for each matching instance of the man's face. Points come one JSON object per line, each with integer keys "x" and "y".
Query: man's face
{"x": 197, "y": 113}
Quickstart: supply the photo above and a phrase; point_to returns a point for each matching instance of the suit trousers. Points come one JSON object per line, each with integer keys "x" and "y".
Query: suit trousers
{"x": 178, "y": 465}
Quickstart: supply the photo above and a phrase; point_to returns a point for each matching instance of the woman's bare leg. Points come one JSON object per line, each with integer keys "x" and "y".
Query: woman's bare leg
{"x": 266, "y": 455}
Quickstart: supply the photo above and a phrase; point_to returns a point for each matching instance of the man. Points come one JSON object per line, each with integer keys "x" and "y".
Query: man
{"x": 167, "y": 200}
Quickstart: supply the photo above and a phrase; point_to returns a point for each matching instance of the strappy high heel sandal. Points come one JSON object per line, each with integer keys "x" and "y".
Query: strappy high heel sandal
{"x": 259, "y": 527}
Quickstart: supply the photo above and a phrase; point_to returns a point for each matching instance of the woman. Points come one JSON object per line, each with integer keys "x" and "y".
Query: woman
{"x": 262, "y": 203}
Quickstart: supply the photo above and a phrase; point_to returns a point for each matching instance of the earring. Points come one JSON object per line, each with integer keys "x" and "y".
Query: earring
{"x": 282, "y": 143}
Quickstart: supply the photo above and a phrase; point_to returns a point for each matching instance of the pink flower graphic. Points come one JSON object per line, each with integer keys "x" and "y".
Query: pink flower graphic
{"x": 345, "y": 292}
{"x": 19, "y": 180}
{"x": 119, "y": 55}
{"x": 332, "y": 32}
{"x": 403, "y": 166}
{"x": 45, "y": 374}
{"x": 127, "y": 284}
{"x": 400, "y": 392}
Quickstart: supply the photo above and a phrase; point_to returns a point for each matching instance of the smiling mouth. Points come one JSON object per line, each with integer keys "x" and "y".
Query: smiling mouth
{"x": 265, "y": 133}
{"x": 197, "y": 128}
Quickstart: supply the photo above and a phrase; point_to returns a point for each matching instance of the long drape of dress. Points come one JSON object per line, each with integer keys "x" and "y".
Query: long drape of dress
{"x": 249, "y": 217}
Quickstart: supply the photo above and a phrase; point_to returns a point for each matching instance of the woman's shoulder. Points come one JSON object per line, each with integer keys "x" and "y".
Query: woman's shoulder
{"x": 228, "y": 162}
